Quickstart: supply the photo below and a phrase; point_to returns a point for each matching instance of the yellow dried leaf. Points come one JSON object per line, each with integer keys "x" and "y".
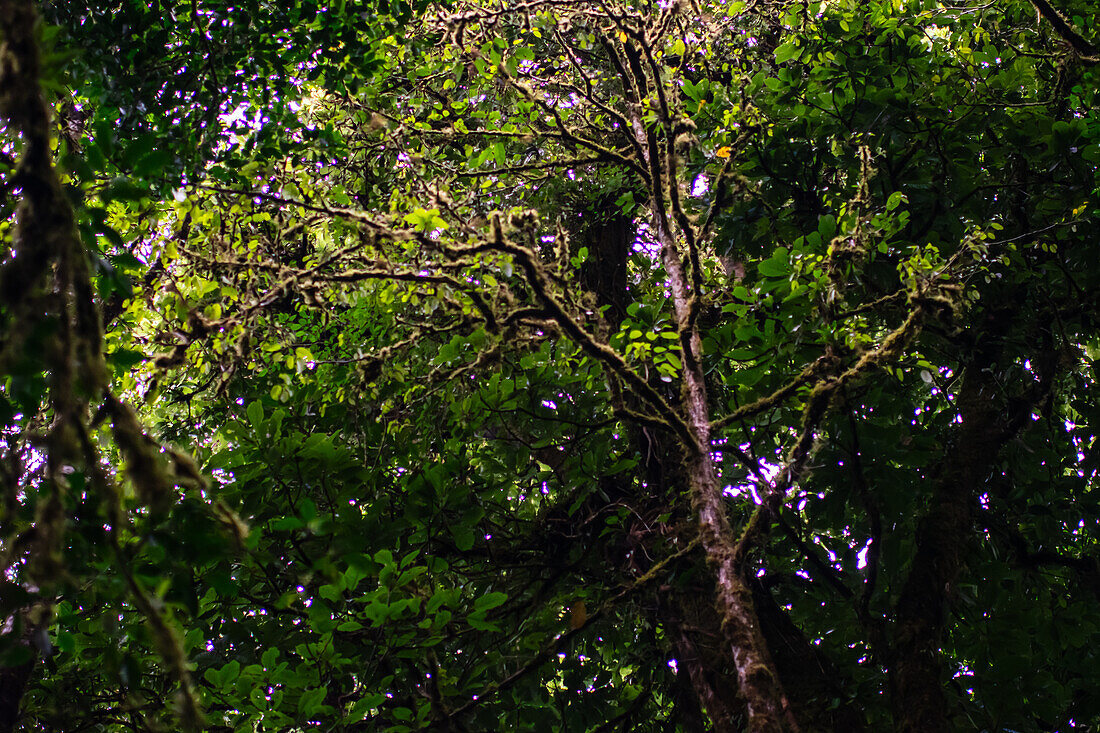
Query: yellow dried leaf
{"x": 578, "y": 615}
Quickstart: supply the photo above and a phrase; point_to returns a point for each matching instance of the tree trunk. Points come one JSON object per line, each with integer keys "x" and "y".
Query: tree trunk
{"x": 703, "y": 661}
{"x": 765, "y": 703}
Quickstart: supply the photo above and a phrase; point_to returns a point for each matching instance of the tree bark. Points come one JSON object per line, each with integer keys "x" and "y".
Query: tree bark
{"x": 765, "y": 702}
{"x": 703, "y": 662}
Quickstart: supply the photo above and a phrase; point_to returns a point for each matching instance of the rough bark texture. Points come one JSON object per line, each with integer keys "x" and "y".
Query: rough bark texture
{"x": 703, "y": 660}
{"x": 707, "y": 686}
{"x": 24, "y": 110}
{"x": 40, "y": 236}
{"x": 765, "y": 703}
{"x": 690, "y": 618}
{"x": 689, "y": 709}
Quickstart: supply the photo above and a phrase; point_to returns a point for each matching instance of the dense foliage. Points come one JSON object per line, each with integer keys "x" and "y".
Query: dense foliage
{"x": 551, "y": 366}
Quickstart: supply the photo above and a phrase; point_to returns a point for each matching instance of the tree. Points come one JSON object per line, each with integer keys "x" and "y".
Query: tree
{"x": 557, "y": 366}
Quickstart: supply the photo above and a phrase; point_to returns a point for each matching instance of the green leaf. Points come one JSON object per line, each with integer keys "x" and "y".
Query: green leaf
{"x": 490, "y": 601}
{"x": 255, "y": 413}
{"x": 269, "y": 657}
{"x": 774, "y": 268}
{"x": 787, "y": 51}
{"x": 463, "y": 537}
{"x": 310, "y": 703}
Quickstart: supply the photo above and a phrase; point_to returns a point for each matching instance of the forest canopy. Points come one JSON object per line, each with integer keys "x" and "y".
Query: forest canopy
{"x": 549, "y": 365}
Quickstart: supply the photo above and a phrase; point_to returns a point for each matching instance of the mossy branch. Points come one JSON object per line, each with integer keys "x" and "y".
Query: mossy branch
{"x": 1086, "y": 50}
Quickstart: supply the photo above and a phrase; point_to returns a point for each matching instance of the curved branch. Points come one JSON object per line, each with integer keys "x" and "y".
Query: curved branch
{"x": 1062, "y": 27}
